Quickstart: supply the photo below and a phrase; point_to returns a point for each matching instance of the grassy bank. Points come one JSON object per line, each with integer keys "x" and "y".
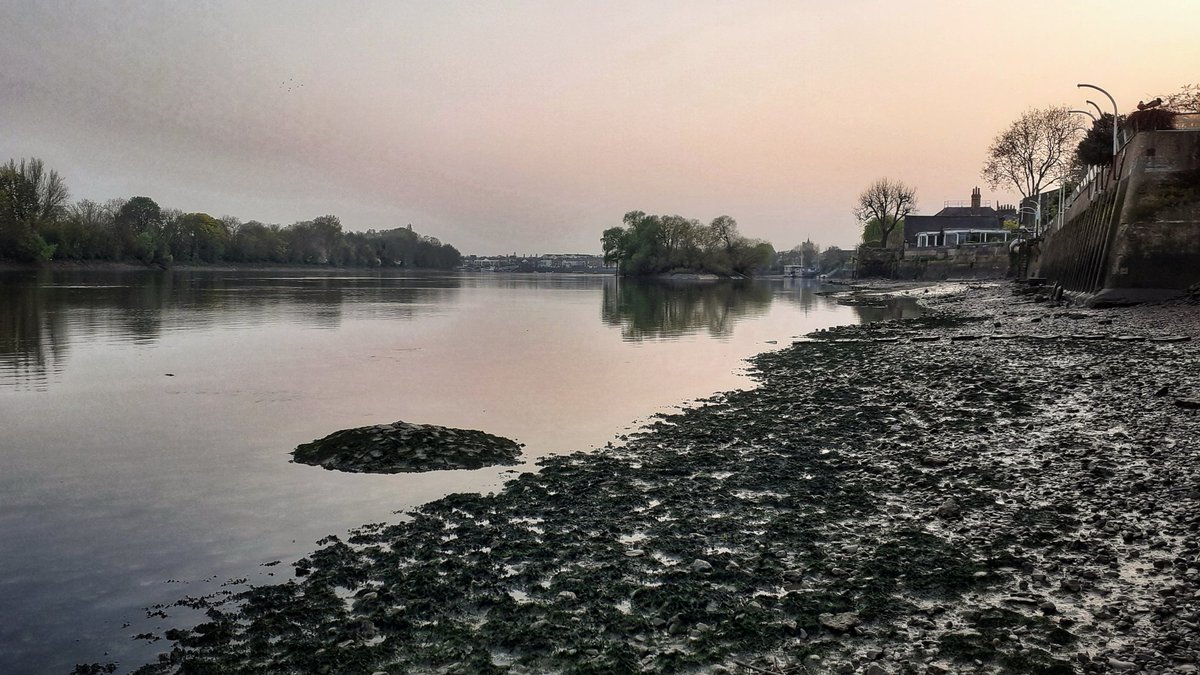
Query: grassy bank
{"x": 999, "y": 486}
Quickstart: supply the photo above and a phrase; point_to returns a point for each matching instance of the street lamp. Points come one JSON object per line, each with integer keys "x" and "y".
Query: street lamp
{"x": 1116, "y": 111}
{"x": 1084, "y": 112}
{"x": 1037, "y": 215}
{"x": 1096, "y": 106}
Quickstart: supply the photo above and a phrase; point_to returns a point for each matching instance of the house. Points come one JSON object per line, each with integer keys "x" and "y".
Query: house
{"x": 960, "y": 223}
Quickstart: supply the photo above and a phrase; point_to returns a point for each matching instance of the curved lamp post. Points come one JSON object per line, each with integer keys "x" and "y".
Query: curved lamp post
{"x": 1037, "y": 215}
{"x": 1084, "y": 112}
{"x": 1116, "y": 111}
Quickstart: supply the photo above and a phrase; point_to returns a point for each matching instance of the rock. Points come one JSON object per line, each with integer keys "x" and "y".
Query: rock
{"x": 948, "y": 509}
{"x": 875, "y": 669}
{"x": 404, "y": 448}
{"x": 701, "y": 566}
{"x": 839, "y": 623}
{"x": 567, "y": 596}
{"x": 1048, "y": 607}
{"x": 1122, "y": 666}
{"x": 1189, "y": 404}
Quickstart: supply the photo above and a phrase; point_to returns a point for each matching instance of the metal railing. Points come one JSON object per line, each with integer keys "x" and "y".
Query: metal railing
{"x": 959, "y": 203}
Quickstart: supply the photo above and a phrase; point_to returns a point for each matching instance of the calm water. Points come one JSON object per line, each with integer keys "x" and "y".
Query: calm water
{"x": 146, "y": 417}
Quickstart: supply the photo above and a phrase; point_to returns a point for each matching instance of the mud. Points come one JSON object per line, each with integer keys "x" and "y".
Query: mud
{"x": 1002, "y": 485}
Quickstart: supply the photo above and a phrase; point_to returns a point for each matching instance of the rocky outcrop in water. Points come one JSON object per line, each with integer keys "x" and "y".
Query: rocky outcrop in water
{"x": 402, "y": 447}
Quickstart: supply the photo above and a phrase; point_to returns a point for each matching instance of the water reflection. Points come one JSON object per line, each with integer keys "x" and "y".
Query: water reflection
{"x": 43, "y": 311}
{"x": 812, "y": 295}
{"x": 121, "y": 483}
{"x": 658, "y": 308}
{"x": 30, "y": 344}
{"x": 808, "y": 293}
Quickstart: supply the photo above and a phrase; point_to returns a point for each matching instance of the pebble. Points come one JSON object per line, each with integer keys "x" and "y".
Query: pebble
{"x": 839, "y": 623}
{"x": 948, "y": 509}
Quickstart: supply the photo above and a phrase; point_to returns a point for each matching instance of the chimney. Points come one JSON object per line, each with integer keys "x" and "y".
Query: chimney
{"x": 975, "y": 199}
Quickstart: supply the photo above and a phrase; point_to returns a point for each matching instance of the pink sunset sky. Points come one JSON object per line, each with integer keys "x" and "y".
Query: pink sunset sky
{"x": 530, "y": 127}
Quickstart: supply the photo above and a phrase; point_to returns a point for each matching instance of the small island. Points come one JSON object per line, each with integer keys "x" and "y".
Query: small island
{"x": 402, "y": 447}
{"x": 674, "y": 246}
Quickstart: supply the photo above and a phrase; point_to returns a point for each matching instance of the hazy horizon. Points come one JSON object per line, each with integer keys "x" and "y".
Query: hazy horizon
{"x": 532, "y": 126}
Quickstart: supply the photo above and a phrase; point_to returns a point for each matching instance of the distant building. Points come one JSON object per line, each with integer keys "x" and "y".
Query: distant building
{"x": 959, "y": 223}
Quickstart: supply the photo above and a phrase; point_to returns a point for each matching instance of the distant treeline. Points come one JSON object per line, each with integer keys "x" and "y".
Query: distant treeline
{"x": 37, "y": 223}
{"x": 650, "y": 244}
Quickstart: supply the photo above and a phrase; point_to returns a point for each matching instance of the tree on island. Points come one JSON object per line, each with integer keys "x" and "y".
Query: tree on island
{"x": 650, "y": 244}
{"x": 1034, "y": 152}
{"x": 885, "y": 202}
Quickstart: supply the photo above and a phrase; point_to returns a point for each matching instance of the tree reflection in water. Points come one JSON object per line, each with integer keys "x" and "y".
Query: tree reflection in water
{"x": 43, "y": 312}
{"x": 30, "y": 347}
{"x": 654, "y": 308}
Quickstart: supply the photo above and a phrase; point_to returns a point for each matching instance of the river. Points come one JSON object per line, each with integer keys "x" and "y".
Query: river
{"x": 146, "y": 417}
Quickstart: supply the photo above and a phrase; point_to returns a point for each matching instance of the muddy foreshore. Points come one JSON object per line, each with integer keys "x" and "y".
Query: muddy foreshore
{"x": 999, "y": 486}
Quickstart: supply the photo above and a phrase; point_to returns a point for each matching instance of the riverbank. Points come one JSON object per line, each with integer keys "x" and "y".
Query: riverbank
{"x": 999, "y": 486}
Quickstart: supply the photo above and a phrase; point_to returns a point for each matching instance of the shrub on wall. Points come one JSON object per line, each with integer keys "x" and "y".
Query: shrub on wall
{"x": 1151, "y": 119}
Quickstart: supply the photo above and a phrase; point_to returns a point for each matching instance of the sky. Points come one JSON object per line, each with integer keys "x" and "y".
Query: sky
{"x": 530, "y": 127}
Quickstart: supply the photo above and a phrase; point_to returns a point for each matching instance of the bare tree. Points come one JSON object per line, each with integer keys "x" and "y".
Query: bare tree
{"x": 1186, "y": 100}
{"x": 1034, "y": 152}
{"x": 37, "y": 195}
{"x": 888, "y": 202}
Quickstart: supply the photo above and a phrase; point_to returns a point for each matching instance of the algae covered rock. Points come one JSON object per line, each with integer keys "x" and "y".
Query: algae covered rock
{"x": 402, "y": 447}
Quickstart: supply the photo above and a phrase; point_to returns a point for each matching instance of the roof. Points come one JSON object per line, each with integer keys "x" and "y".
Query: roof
{"x": 967, "y": 211}
{"x": 915, "y": 224}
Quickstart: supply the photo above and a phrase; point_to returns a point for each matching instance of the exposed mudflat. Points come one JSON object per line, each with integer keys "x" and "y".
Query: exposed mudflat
{"x": 999, "y": 486}
{"x": 402, "y": 447}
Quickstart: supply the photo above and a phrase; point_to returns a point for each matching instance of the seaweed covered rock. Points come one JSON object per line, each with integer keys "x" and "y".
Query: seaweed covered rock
{"x": 402, "y": 447}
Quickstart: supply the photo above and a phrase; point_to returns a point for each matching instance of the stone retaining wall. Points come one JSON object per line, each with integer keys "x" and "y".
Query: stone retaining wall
{"x": 1134, "y": 233}
{"x": 979, "y": 261}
